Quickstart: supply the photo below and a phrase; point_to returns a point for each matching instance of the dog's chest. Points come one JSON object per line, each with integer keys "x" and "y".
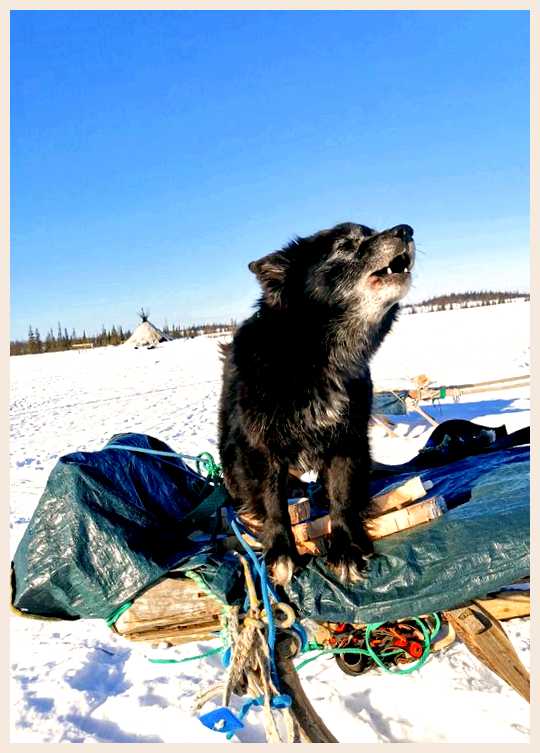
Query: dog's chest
{"x": 326, "y": 408}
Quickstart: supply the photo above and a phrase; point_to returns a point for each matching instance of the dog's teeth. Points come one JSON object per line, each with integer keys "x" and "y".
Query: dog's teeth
{"x": 406, "y": 269}
{"x": 388, "y": 271}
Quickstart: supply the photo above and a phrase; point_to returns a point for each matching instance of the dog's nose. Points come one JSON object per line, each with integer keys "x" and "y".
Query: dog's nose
{"x": 405, "y": 232}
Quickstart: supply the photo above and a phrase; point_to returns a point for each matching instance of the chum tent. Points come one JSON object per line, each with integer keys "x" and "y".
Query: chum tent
{"x": 145, "y": 335}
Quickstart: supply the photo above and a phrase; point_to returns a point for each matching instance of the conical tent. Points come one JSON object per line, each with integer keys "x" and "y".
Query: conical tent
{"x": 146, "y": 335}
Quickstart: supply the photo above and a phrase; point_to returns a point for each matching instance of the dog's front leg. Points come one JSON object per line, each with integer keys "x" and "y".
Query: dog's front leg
{"x": 281, "y": 553}
{"x": 346, "y": 482}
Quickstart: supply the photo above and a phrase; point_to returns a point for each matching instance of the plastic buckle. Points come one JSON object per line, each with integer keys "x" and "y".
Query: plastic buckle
{"x": 221, "y": 720}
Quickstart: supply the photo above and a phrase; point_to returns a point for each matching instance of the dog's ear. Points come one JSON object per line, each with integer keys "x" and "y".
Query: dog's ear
{"x": 271, "y": 272}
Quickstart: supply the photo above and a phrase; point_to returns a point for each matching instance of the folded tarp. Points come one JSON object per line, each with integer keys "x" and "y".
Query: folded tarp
{"x": 111, "y": 523}
{"x": 108, "y": 525}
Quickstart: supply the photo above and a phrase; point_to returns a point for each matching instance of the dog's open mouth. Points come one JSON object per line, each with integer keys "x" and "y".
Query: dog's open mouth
{"x": 399, "y": 265}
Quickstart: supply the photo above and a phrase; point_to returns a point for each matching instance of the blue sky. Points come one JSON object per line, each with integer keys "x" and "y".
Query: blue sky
{"x": 154, "y": 154}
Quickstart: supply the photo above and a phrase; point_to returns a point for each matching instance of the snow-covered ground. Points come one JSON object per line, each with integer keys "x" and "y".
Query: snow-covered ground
{"x": 79, "y": 682}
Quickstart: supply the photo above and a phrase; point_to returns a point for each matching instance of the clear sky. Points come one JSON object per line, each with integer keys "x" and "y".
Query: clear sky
{"x": 154, "y": 154}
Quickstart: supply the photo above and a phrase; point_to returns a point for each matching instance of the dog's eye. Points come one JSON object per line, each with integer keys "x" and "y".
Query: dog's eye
{"x": 347, "y": 245}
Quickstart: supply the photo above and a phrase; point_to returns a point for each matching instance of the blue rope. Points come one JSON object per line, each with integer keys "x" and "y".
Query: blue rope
{"x": 260, "y": 570}
{"x": 239, "y": 528}
{"x": 205, "y": 458}
{"x": 223, "y": 719}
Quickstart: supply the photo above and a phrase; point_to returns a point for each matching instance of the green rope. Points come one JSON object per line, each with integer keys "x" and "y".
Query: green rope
{"x": 312, "y": 646}
{"x": 368, "y": 651}
{"x": 428, "y": 636}
{"x": 187, "y": 658}
{"x": 436, "y": 627}
{"x": 214, "y": 473}
{"x": 213, "y": 470}
{"x": 332, "y": 651}
{"x": 117, "y": 612}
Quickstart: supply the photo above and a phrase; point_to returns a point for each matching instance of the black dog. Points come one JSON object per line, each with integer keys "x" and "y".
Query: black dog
{"x": 297, "y": 388}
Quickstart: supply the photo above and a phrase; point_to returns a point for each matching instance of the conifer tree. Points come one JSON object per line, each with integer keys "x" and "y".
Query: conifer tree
{"x": 50, "y": 342}
{"x": 31, "y": 340}
{"x": 38, "y": 343}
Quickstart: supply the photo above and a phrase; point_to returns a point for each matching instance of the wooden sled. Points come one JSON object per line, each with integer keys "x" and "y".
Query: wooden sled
{"x": 422, "y": 389}
{"x": 177, "y": 610}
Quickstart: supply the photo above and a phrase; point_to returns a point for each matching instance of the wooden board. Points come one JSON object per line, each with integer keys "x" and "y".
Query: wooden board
{"x": 383, "y": 525}
{"x": 391, "y": 512}
{"x": 378, "y": 419}
{"x": 175, "y": 610}
{"x": 299, "y": 510}
{"x": 506, "y": 605}
{"x": 425, "y": 415}
{"x": 410, "y": 491}
{"x": 485, "y": 638}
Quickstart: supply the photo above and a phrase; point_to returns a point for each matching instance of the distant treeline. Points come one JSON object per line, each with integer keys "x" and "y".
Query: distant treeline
{"x": 177, "y": 331}
{"x": 116, "y": 335}
{"x": 469, "y": 299}
{"x": 62, "y": 340}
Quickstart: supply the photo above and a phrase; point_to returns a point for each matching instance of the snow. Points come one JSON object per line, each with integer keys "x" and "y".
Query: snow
{"x": 79, "y": 682}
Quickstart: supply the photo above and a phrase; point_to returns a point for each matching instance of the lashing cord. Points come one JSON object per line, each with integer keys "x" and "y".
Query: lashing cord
{"x": 214, "y": 474}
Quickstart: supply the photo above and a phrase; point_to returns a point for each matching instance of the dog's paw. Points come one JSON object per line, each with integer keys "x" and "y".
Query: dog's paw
{"x": 281, "y": 570}
{"x": 348, "y": 563}
{"x": 282, "y": 561}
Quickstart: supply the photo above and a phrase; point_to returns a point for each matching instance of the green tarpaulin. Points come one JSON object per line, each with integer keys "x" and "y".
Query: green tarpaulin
{"x": 111, "y": 523}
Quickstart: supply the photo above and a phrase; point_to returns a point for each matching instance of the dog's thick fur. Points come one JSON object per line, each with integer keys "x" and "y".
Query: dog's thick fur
{"x": 297, "y": 389}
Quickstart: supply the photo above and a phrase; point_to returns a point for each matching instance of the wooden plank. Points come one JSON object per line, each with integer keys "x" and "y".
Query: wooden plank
{"x": 475, "y": 390}
{"x": 485, "y": 638}
{"x": 425, "y": 415}
{"x": 171, "y": 602}
{"x": 379, "y": 419}
{"x": 300, "y": 510}
{"x": 380, "y": 526}
{"x": 174, "y": 635}
{"x": 490, "y": 384}
{"x": 505, "y": 605}
{"x": 410, "y": 491}
{"x": 510, "y": 381}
